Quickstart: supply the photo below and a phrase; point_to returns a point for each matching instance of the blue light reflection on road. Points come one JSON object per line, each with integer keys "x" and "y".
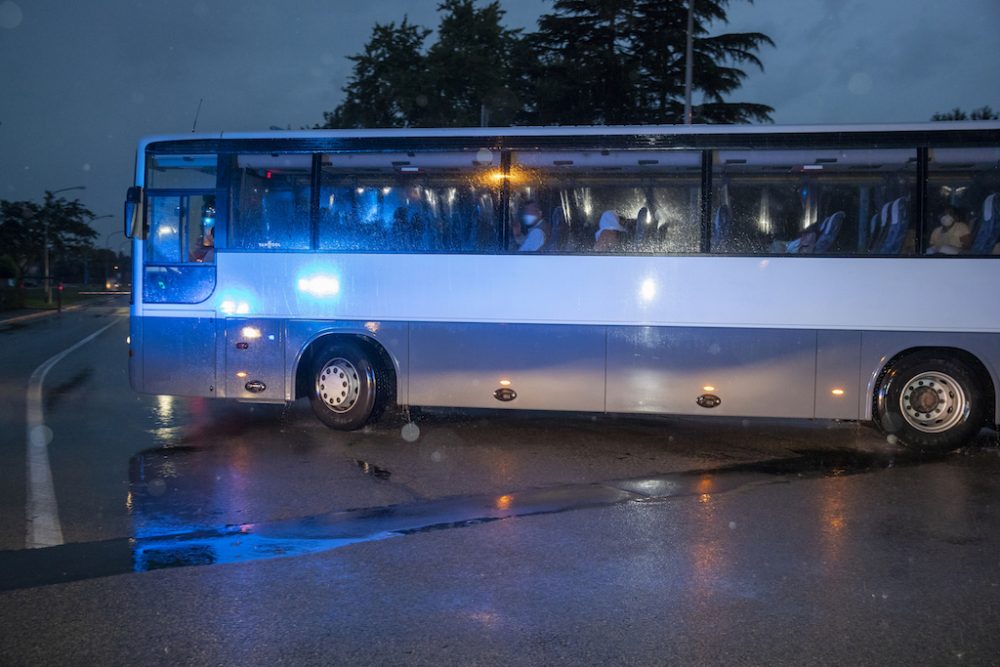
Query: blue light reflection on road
{"x": 231, "y": 544}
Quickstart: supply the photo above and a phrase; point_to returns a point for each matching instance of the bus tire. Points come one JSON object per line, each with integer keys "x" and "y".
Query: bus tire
{"x": 930, "y": 402}
{"x": 345, "y": 385}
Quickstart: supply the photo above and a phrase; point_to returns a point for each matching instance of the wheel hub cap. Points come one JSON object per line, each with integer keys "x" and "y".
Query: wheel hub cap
{"x": 933, "y": 402}
{"x": 338, "y": 385}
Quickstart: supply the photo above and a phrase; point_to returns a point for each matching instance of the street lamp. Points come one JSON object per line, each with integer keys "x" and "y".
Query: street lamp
{"x": 45, "y": 257}
{"x": 72, "y": 187}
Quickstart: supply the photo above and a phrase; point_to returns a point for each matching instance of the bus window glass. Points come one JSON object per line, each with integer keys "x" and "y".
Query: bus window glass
{"x": 619, "y": 201}
{"x": 814, "y": 201}
{"x": 174, "y": 172}
{"x": 963, "y": 201}
{"x": 270, "y": 202}
{"x": 181, "y": 229}
{"x": 410, "y": 202}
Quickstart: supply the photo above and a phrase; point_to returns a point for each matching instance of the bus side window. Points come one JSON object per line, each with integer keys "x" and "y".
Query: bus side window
{"x": 653, "y": 195}
{"x": 963, "y": 201}
{"x": 270, "y": 202}
{"x": 181, "y": 229}
{"x": 814, "y": 201}
{"x": 409, "y": 202}
{"x": 163, "y": 242}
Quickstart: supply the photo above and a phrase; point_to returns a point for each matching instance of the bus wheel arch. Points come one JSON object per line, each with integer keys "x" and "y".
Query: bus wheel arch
{"x": 362, "y": 370}
{"x": 933, "y": 399}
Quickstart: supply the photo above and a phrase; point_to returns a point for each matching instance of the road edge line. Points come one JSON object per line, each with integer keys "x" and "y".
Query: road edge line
{"x": 43, "y": 528}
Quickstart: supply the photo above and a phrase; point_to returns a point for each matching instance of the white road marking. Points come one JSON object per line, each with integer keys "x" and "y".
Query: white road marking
{"x": 44, "y": 529}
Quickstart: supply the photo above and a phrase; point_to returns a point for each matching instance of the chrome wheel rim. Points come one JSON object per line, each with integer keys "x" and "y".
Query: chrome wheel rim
{"x": 933, "y": 402}
{"x": 338, "y": 385}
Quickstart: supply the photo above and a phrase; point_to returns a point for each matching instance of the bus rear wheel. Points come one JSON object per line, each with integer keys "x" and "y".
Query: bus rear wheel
{"x": 345, "y": 386}
{"x": 930, "y": 402}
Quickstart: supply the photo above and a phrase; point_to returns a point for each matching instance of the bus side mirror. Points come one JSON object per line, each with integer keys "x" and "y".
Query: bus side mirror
{"x": 133, "y": 212}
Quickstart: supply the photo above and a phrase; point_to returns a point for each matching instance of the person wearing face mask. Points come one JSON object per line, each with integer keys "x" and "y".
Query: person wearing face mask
{"x": 951, "y": 236}
{"x": 531, "y": 232}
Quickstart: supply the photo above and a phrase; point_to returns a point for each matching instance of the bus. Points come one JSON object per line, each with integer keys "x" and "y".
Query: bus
{"x": 836, "y": 272}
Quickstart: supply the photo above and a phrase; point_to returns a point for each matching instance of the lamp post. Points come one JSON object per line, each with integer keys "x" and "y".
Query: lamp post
{"x": 87, "y": 251}
{"x": 107, "y": 239}
{"x": 45, "y": 256}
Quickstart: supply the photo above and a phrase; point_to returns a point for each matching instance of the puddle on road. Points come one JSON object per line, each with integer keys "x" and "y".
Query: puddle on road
{"x": 163, "y": 541}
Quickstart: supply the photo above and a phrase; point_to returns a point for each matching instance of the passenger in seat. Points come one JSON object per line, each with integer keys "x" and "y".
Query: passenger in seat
{"x": 411, "y": 220}
{"x": 951, "y": 236}
{"x": 204, "y": 251}
{"x": 609, "y": 233}
{"x": 531, "y": 232}
{"x": 807, "y": 239}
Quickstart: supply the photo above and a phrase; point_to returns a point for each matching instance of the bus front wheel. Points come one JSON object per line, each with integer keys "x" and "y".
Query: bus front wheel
{"x": 345, "y": 386}
{"x": 930, "y": 402}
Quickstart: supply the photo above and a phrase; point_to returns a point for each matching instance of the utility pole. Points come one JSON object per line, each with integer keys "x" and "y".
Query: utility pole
{"x": 45, "y": 261}
{"x": 689, "y": 64}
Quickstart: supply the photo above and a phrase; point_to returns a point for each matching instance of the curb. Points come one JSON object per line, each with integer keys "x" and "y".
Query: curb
{"x": 39, "y": 314}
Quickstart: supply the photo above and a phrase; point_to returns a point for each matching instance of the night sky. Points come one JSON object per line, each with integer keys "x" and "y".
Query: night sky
{"x": 81, "y": 82}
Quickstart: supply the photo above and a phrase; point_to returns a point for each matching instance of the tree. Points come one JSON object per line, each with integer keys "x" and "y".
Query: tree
{"x": 471, "y": 68}
{"x": 982, "y": 113}
{"x": 588, "y": 66}
{"x": 474, "y": 66}
{"x": 591, "y": 61}
{"x": 386, "y": 88}
{"x": 26, "y": 226}
{"x": 622, "y": 61}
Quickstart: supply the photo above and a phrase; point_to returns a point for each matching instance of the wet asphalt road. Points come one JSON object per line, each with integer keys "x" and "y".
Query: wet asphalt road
{"x": 202, "y": 532}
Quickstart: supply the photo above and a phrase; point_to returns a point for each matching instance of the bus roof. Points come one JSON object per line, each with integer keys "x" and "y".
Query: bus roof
{"x": 578, "y": 130}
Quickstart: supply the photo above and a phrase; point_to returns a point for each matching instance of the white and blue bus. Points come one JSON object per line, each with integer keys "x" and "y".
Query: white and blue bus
{"x": 845, "y": 272}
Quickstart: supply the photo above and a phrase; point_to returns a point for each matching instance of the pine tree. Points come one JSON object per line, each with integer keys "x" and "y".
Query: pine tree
{"x": 471, "y": 67}
{"x": 589, "y": 71}
{"x": 591, "y": 61}
{"x": 622, "y": 61}
{"x": 386, "y": 88}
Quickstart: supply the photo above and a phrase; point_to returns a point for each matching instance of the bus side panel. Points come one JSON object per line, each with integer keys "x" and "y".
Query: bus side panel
{"x": 878, "y": 347}
{"x": 528, "y": 366}
{"x": 838, "y": 368}
{"x": 255, "y": 359}
{"x": 178, "y": 355}
{"x": 755, "y": 372}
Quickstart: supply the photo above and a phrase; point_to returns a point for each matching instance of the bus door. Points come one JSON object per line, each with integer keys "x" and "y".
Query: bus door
{"x": 177, "y": 336}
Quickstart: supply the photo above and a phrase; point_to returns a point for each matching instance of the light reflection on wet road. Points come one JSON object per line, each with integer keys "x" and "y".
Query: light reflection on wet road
{"x": 166, "y": 532}
{"x": 546, "y": 539}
